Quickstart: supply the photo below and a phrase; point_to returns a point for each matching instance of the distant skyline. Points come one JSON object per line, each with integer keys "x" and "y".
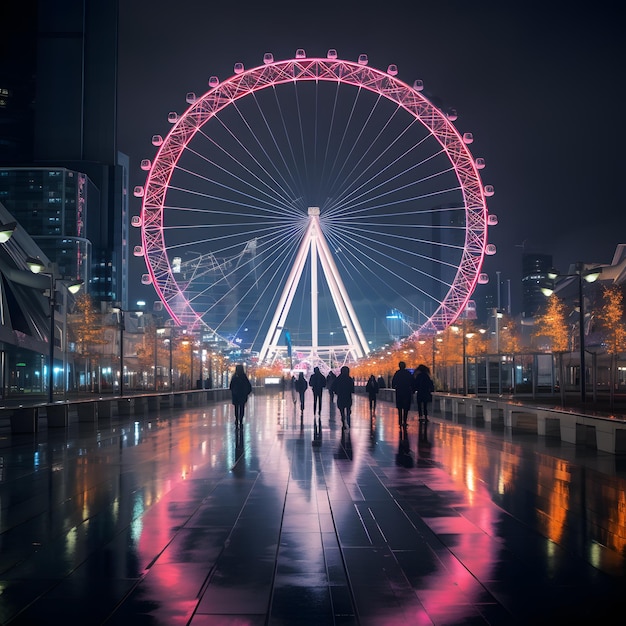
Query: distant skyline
{"x": 538, "y": 86}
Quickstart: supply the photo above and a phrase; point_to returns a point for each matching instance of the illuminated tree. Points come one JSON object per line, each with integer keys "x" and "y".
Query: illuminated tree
{"x": 612, "y": 319}
{"x": 181, "y": 357}
{"x": 86, "y": 328}
{"x": 477, "y": 341}
{"x": 510, "y": 340}
{"x": 552, "y": 324}
{"x": 145, "y": 352}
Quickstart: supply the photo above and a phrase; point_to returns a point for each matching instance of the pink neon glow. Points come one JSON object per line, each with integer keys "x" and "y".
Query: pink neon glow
{"x": 246, "y": 82}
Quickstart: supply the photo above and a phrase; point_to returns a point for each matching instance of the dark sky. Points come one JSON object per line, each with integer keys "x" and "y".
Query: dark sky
{"x": 540, "y": 86}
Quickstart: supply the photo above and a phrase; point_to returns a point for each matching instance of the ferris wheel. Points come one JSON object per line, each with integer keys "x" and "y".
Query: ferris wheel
{"x": 395, "y": 194}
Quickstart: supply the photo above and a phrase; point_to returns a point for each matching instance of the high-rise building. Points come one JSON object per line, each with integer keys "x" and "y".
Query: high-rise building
{"x": 535, "y": 269}
{"x": 50, "y": 204}
{"x": 58, "y": 99}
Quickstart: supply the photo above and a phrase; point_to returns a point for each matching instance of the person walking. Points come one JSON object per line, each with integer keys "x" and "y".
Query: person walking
{"x": 240, "y": 389}
{"x": 371, "y": 388}
{"x": 317, "y": 382}
{"x": 343, "y": 388}
{"x": 424, "y": 388}
{"x": 301, "y": 386}
{"x": 330, "y": 380}
{"x": 402, "y": 382}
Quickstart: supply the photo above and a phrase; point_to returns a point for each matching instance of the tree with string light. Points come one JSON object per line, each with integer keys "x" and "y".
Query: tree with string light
{"x": 612, "y": 319}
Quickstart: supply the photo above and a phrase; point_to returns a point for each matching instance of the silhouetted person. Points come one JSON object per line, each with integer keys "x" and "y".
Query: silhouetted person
{"x": 402, "y": 382}
{"x": 330, "y": 379}
{"x": 381, "y": 382}
{"x": 301, "y": 386}
{"x": 424, "y": 388}
{"x": 317, "y": 382}
{"x": 371, "y": 388}
{"x": 343, "y": 387}
{"x": 240, "y": 389}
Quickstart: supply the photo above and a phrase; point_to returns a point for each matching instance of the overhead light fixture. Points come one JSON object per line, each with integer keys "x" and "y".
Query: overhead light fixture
{"x": 36, "y": 266}
{"x": 6, "y": 231}
{"x": 75, "y": 286}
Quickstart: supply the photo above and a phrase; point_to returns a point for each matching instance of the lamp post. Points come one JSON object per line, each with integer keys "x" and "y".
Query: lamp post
{"x": 589, "y": 275}
{"x": 498, "y": 316}
{"x": 122, "y": 327}
{"x": 6, "y": 232}
{"x": 37, "y": 266}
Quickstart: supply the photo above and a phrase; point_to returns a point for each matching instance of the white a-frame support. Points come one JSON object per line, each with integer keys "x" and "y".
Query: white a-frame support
{"x": 315, "y": 244}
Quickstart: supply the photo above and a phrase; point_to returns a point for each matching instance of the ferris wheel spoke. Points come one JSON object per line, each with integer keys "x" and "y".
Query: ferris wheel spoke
{"x": 272, "y": 133}
{"x": 369, "y": 241}
{"x": 365, "y": 215}
{"x": 227, "y": 201}
{"x": 284, "y": 187}
{"x": 402, "y": 239}
{"x": 339, "y": 175}
{"x": 339, "y": 147}
{"x": 366, "y": 196}
{"x": 273, "y": 252}
{"x": 275, "y": 208}
{"x": 329, "y": 134}
{"x": 282, "y": 262}
{"x": 276, "y": 196}
{"x": 351, "y": 181}
{"x": 293, "y": 168}
{"x": 277, "y": 259}
{"x": 359, "y": 257}
{"x": 288, "y": 232}
{"x": 374, "y": 244}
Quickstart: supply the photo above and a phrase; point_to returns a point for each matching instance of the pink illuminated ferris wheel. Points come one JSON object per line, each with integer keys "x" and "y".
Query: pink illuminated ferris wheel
{"x": 398, "y": 204}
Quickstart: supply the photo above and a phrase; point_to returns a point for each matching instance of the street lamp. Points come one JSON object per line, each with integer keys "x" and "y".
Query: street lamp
{"x": 589, "y": 275}
{"x": 37, "y": 266}
{"x": 6, "y": 231}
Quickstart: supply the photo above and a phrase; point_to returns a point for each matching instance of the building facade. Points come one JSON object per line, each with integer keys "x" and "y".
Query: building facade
{"x": 535, "y": 270}
{"x": 58, "y": 105}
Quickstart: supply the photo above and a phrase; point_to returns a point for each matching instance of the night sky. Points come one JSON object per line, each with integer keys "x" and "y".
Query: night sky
{"x": 540, "y": 86}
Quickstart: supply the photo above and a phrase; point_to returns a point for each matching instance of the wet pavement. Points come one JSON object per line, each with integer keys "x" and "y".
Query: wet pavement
{"x": 179, "y": 518}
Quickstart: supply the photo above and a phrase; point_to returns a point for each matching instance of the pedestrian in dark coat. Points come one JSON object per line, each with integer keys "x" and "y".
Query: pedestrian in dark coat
{"x": 371, "y": 388}
{"x": 343, "y": 387}
{"x": 317, "y": 382}
{"x": 240, "y": 389}
{"x": 330, "y": 379}
{"x": 381, "y": 382}
{"x": 402, "y": 382}
{"x": 424, "y": 388}
{"x": 301, "y": 386}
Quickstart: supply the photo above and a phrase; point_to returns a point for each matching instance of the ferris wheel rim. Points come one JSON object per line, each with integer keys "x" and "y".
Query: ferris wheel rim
{"x": 245, "y": 82}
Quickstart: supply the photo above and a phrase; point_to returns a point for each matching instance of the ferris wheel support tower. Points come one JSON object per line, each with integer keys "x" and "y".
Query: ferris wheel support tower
{"x": 315, "y": 247}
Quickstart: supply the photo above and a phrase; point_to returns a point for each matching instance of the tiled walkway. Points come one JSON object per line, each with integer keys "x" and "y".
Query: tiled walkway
{"x": 177, "y": 518}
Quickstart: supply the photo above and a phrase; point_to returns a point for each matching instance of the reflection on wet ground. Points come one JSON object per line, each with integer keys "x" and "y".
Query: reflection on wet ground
{"x": 180, "y": 518}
